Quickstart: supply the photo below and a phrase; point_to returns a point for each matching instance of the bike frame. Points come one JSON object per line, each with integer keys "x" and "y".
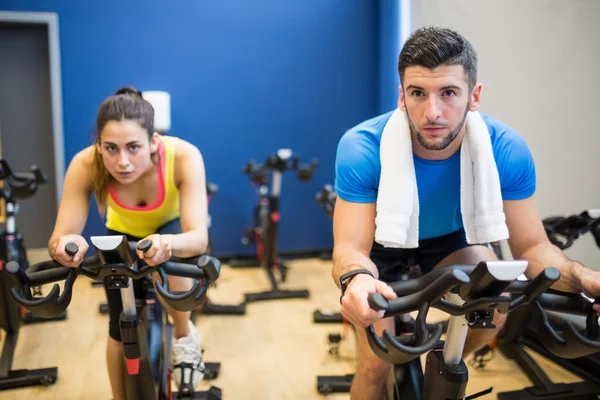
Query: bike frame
{"x": 267, "y": 221}
{"x": 446, "y": 374}
{"x": 12, "y": 249}
{"x": 146, "y": 377}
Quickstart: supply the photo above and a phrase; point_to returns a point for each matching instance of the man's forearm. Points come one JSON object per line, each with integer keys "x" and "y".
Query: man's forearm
{"x": 348, "y": 259}
{"x": 547, "y": 255}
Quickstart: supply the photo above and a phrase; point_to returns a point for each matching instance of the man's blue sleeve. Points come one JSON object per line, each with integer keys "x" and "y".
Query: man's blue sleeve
{"x": 357, "y": 168}
{"x": 516, "y": 168}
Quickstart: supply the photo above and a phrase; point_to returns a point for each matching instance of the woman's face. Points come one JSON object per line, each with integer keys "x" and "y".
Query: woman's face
{"x": 126, "y": 150}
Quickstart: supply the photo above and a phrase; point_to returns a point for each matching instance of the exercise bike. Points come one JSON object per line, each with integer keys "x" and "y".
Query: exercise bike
{"x": 519, "y": 332}
{"x": 208, "y": 307}
{"x": 145, "y": 328}
{"x": 263, "y": 233}
{"x": 326, "y": 384}
{"x": 482, "y": 289}
{"x": 404, "y": 324}
{"x": 326, "y": 197}
{"x": 12, "y": 316}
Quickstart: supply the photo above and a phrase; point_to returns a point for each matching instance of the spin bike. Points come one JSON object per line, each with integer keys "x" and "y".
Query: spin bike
{"x": 208, "y": 307}
{"x": 326, "y": 197}
{"x": 263, "y": 233}
{"x": 12, "y": 316}
{"x": 342, "y": 383}
{"x": 404, "y": 324}
{"x": 145, "y": 328}
{"x": 520, "y": 332}
{"x": 482, "y": 290}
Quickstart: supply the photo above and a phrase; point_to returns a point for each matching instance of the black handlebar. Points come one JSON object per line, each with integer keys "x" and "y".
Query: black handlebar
{"x": 282, "y": 161}
{"x": 483, "y": 289}
{"x": 115, "y": 257}
{"x": 563, "y": 231}
{"x": 211, "y": 188}
{"x": 326, "y": 197}
{"x": 22, "y": 184}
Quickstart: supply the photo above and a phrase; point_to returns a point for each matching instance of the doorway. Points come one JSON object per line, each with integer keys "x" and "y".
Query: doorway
{"x": 31, "y": 115}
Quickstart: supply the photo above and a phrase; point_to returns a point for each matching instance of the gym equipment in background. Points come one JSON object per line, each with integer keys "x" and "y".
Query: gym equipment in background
{"x": 145, "y": 327}
{"x": 12, "y": 316}
{"x": 208, "y": 307}
{"x": 266, "y": 217}
{"x": 521, "y": 332}
{"x": 326, "y": 197}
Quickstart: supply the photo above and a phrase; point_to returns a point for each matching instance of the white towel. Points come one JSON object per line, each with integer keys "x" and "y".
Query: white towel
{"x": 397, "y": 220}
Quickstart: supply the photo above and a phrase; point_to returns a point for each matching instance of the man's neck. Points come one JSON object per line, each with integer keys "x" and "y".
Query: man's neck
{"x": 444, "y": 154}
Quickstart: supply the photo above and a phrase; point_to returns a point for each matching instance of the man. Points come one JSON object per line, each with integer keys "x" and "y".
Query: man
{"x": 438, "y": 74}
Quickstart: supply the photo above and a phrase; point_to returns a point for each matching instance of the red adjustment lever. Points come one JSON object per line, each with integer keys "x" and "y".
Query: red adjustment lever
{"x": 275, "y": 217}
{"x": 133, "y": 366}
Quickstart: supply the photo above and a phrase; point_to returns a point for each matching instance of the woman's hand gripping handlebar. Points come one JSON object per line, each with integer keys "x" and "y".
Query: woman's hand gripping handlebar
{"x": 116, "y": 258}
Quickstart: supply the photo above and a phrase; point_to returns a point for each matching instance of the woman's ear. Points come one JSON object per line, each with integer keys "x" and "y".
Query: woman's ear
{"x": 98, "y": 148}
{"x": 154, "y": 140}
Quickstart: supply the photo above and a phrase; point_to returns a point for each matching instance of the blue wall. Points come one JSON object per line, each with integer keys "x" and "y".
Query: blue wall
{"x": 245, "y": 77}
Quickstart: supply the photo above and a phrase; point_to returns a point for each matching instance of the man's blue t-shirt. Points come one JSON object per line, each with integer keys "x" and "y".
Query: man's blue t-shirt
{"x": 358, "y": 167}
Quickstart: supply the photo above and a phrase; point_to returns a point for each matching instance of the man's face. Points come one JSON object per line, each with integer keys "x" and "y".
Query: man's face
{"x": 436, "y": 102}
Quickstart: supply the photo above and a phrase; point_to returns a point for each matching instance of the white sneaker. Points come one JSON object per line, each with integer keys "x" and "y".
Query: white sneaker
{"x": 186, "y": 358}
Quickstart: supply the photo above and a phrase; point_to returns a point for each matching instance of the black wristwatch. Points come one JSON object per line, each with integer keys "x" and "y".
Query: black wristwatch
{"x": 347, "y": 277}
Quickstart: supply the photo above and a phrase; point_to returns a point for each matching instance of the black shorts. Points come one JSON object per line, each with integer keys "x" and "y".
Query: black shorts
{"x": 391, "y": 262}
{"x": 113, "y": 296}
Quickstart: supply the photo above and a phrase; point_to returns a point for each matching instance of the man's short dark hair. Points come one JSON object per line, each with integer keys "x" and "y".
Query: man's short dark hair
{"x": 431, "y": 47}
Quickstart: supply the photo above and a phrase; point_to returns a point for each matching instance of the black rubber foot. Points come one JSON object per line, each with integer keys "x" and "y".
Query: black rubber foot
{"x": 561, "y": 391}
{"x": 327, "y": 318}
{"x": 214, "y": 393}
{"x": 334, "y": 384}
{"x": 28, "y": 377}
{"x": 29, "y": 318}
{"x": 222, "y": 309}
{"x": 211, "y": 370}
{"x": 277, "y": 295}
{"x": 103, "y": 308}
{"x": 244, "y": 263}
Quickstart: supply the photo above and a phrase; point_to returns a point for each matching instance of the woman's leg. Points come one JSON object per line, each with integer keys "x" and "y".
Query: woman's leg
{"x": 186, "y": 345}
{"x": 116, "y": 372}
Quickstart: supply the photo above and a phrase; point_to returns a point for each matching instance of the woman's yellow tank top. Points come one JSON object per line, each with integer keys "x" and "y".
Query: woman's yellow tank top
{"x": 141, "y": 221}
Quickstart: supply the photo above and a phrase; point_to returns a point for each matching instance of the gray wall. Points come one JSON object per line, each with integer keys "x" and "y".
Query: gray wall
{"x": 538, "y": 63}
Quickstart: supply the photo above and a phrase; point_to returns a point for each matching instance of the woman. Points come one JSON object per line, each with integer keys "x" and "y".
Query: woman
{"x": 147, "y": 186}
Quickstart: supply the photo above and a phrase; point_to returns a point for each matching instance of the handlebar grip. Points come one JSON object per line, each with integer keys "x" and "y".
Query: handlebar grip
{"x": 71, "y": 249}
{"x": 16, "y": 274}
{"x": 431, "y": 294}
{"x": 144, "y": 245}
{"x": 40, "y": 177}
{"x": 535, "y": 288}
{"x": 378, "y": 302}
{"x": 211, "y": 267}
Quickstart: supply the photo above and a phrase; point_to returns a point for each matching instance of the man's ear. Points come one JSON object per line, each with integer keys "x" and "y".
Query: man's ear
{"x": 475, "y": 98}
{"x": 401, "y": 104}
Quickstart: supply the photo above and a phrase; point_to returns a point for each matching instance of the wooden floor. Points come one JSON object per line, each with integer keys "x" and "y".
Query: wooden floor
{"x": 275, "y": 351}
